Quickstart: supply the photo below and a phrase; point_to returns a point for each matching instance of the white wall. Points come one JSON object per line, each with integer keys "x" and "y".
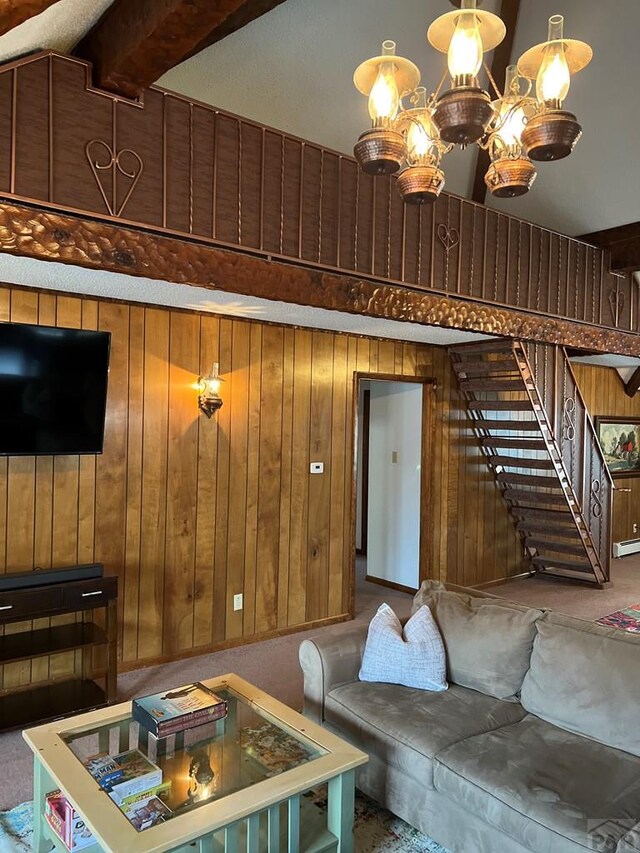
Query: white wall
{"x": 364, "y": 386}
{"x": 393, "y": 545}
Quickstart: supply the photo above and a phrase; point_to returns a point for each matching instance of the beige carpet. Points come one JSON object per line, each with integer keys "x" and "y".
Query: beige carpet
{"x": 575, "y": 599}
{"x": 273, "y": 665}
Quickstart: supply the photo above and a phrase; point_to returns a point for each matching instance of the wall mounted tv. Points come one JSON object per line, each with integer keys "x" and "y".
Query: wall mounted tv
{"x": 53, "y": 390}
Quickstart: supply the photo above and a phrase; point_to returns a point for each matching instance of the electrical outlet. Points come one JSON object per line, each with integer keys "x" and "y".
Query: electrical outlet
{"x": 635, "y": 528}
{"x": 237, "y": 601}
{"x": 316, "y": 467}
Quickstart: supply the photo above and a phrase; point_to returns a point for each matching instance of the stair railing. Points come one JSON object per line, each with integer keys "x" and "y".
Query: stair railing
{"x": 576, "y": 438}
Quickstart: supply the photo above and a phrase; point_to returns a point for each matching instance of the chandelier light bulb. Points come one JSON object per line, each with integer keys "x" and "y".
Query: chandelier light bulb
{"x": 511, "y": 117}
{"x": 421, "y": 133}
{"x": 418, "y": 141}
{"x": 513, "y": 123}
{"x": 554, "y": 77}
{"x": 464, "y": 56}
{"x": 384, "y": 97}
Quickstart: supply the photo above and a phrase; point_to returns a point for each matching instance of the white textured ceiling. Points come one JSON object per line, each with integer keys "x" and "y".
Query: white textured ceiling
{"x": 624, "y": 364}
{"x": 60, "y": 27}
{"x": 71, "y": 279}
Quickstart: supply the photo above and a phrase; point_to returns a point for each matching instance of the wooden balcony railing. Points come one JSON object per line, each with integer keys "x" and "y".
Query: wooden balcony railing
{"x": 178, "y": 167}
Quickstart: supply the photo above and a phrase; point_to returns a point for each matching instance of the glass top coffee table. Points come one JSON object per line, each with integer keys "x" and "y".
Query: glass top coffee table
{"x": 237, "y": 783}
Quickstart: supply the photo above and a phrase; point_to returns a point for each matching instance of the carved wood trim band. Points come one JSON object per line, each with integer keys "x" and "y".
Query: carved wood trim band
{"x": 37, "y": 233}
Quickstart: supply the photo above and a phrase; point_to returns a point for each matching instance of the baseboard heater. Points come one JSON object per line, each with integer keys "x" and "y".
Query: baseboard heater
{"x": 629, "y": 546}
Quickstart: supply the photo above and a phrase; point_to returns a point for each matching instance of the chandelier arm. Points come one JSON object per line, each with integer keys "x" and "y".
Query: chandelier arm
{"x": 492, "y": 81}
{"x": 434, "y": 96}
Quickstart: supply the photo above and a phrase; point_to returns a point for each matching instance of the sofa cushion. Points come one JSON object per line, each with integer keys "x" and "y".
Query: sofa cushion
{"x": 586, "y": 679}
{"x": 630, "y": 843}
{"x": 412, "y": 656}
{"x": 406, "y": 727}
{"x": 488, "y": 642}
{"x": 539, "y": 784}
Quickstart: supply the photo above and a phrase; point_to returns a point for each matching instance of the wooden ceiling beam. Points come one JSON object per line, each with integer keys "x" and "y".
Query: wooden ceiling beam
{"x": 623, "y": 244}
{"x": 509, "y": 11}
{"x": 632, "y": 387}
{"x": 137, "y": 41}
{"x": 16, "y": 12}
{"x": 246, "y": 12}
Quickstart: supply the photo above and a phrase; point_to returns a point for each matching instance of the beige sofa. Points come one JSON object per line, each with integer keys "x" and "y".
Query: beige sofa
{"x": 534, "y": 747}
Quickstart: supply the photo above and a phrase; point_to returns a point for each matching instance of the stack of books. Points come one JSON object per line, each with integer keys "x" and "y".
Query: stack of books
{"x": 134, "y": 783}
{"x": 164, "y": 714}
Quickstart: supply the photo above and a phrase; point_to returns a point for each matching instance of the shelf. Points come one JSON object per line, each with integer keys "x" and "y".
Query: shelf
{"x": 40, "y": 704}
{"x": 49, "y": 641}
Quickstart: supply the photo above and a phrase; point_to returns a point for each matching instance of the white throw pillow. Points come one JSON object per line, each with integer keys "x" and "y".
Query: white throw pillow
{"x": 414, "y": 657}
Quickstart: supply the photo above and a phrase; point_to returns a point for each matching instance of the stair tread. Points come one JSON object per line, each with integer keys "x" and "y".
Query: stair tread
{"x": 491, "y": 423}
{"x": 493, "y": 385}
{"x": 552, "y": 516}
{"x": 499, "y": 405}
{"x": 588, "y": 578}
{"x": 546, "y": 526}
{"x": 529, "y": 480}
{"x": 486, "y": 368}
{"x": 562, "y": 564}
{"x": 521, "y": 462}
{"x": 534, "y": 497}
{"x": 495, "y": 345}
{"x": 560, "y": 547}
{"x": 509, "y": 441}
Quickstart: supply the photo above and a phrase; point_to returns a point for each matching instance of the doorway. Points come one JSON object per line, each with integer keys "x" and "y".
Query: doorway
{"x": 393, "y": 427}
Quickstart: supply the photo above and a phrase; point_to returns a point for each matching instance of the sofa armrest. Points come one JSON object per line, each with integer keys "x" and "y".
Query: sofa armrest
{"x": 327, "y": 662}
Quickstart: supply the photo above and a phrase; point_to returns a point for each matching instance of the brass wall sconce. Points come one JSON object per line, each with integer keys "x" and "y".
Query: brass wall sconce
{"x": 209, "y": 400}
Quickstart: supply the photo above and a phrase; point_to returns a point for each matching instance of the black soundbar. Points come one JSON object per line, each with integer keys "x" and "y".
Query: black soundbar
{"x": 45, "y": 577}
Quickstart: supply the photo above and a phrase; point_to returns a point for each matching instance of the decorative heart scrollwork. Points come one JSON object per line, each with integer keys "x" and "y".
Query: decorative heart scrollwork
{"x": 114, "y": 162}
{"x": 449, "y": 237}
{"x": 616, "y": 304}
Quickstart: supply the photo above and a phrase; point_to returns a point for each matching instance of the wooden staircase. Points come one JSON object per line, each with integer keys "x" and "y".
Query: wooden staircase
{"x": 535, "y": 432}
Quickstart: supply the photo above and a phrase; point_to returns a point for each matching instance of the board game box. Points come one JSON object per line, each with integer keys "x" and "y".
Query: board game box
{"x": 67, "y": 824}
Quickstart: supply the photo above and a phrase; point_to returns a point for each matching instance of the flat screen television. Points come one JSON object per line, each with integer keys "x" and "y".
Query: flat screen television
{"x": 53, "y": 390}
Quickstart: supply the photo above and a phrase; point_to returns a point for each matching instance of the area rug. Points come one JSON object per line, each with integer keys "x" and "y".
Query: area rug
{"x": 376, "y": 829}
{"x": 16, "y": 829}
{"x": 627, "y": 619}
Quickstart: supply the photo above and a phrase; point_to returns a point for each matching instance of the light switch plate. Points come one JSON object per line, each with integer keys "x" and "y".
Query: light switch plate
{"x": 317, "y": 467}
{"x": 238, "y": 601}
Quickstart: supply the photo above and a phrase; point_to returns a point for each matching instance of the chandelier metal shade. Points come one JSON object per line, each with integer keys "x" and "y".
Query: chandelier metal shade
{"x": 411, "y": 132}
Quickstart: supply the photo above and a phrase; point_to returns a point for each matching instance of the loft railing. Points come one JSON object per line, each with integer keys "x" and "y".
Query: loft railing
{"x": 175, "y": 166}
{"x": 577, "y": 442}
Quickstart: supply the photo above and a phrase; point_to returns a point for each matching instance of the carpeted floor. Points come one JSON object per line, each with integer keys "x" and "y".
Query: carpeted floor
{"x": 576, "y": 599}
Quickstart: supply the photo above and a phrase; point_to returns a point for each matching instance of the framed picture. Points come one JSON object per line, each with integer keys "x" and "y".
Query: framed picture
{"x": 620, "y": 442}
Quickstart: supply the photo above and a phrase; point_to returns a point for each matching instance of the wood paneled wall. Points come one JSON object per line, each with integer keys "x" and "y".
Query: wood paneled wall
{"x": 188, "y": 512}
{"x": 604, "y": 395}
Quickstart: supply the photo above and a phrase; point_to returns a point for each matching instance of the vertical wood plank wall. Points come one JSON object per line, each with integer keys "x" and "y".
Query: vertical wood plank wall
{"x": 188, "y": 512}
{"x": 604, "y": 395}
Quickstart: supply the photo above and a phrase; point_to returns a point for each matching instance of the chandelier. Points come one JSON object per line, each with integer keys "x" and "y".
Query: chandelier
{"x": 413, "y": 132}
